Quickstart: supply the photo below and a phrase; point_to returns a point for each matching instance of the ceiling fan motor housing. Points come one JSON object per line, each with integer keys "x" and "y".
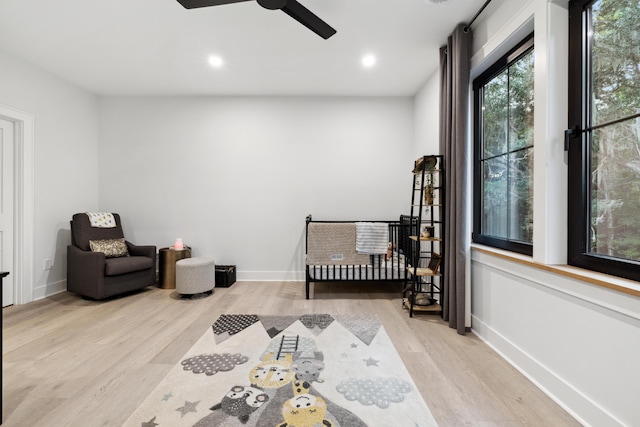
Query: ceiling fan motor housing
{"x": 272, "y": 4}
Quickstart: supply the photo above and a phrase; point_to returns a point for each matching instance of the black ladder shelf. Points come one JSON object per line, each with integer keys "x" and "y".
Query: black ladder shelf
{"x": 422, "y": 291}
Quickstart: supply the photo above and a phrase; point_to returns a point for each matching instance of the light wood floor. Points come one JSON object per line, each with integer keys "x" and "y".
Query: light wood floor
{"x": 73, "y": 362}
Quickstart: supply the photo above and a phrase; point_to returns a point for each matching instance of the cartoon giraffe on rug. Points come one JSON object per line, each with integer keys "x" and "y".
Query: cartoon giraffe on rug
{"x": 304, "y": 409}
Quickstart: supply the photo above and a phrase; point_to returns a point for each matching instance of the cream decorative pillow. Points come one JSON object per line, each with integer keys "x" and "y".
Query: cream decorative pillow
{"x": 112, "y": 248}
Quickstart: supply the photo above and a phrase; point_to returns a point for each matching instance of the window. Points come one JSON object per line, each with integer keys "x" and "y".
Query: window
{"x": 503, "y": 155}
{"x": 604, "y": 140}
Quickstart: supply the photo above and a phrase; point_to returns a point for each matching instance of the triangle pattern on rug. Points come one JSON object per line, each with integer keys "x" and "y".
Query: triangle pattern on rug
{"x": 231, "y": 324}
{"x": 276, "y": 324}
{"x": 363, "y": 326}
{"x": 316, "y": 323}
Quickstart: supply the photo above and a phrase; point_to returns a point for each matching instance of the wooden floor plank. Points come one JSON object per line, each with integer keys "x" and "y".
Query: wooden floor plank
{"x": 74, "y": 362}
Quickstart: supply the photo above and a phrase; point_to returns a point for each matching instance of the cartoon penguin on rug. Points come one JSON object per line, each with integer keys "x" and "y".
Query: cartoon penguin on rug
{"x": 239, "y": 403}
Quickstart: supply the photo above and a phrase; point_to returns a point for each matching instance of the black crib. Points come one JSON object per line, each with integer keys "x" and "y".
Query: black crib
{"x": 389, "y": 267}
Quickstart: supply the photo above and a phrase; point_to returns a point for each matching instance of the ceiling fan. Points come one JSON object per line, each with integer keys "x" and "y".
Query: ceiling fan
{"x": 290, "y": 7}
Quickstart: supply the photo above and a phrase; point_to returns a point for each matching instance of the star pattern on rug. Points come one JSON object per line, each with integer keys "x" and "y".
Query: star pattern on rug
{"x": 150, "y": 423}
{"x": 371, "y": 362}
{"x": 188, "y": 407}
{"x": 167, "y": 396}
{"x": 354, "y": 345}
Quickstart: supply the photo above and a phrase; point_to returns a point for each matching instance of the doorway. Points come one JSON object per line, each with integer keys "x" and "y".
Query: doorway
{"x": 21, "y": 125}
{"x": 7, "y": 141}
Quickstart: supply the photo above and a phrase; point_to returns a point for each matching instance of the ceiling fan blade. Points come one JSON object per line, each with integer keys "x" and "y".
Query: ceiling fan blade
{"x": 308, "y": 19}
{"x": 192, "y": 4}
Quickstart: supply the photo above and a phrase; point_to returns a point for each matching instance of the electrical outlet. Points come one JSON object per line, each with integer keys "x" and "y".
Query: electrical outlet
{"x": 48, "y": 263}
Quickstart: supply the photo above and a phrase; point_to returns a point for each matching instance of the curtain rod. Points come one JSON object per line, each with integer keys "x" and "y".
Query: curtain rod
{"x": 466, "y": 28}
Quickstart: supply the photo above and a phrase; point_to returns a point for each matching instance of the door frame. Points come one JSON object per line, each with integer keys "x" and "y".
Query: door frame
{"x": 23, "y": 218}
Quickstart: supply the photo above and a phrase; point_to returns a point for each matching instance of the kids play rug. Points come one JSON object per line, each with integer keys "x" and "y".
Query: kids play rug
{"x": 315, "y": 370}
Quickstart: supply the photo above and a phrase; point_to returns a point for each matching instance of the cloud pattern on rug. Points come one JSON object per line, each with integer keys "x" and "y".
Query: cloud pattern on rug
{"x": 211, "y": 364}
{"x": 374, "y": 391}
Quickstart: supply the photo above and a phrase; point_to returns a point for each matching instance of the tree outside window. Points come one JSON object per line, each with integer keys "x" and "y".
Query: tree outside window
{"x": 604, "y": 155}
{"x": 503, "y": 167}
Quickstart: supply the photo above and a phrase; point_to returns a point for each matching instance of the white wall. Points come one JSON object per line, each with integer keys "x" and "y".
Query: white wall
{"x": 578, "y": 341}
{"x": 426, "y": 118}
{"x": 236, "y": 177}
{"x": 65, "y": 160}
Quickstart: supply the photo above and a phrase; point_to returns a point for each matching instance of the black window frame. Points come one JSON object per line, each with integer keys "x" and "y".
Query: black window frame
{"x": 522, "y": 48}
{"x": 578, "y": 144}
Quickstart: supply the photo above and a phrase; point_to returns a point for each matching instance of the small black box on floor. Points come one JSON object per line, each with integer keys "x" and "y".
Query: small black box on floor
{"x": 225, "y": 275}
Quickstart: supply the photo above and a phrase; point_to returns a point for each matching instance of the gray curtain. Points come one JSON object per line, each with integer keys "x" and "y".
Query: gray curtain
{"x": 455, "y": 59}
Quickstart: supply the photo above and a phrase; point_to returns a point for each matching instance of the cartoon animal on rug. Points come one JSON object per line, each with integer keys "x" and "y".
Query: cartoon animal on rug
{"x": 284, "y": 376}
{"x": 301, "y": 405}
{"x": 240, "y": 402}
{"x": 308, "y": 368}
{"x": 272, "y": 413}
{"x": 304, "y": 409}
{"x": 272, "y": 373}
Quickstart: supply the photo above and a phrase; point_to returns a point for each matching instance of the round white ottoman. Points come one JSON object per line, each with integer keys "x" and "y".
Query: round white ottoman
{"x": 195, "y": 275}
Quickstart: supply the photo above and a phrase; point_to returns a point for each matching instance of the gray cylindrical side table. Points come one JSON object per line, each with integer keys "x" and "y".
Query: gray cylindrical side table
{"x": 167, "y": 264}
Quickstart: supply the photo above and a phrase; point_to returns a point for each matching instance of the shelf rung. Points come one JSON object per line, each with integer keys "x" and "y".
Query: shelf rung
{"x": 422, "y": 271}
{"x": 425, "y": 239}
{"x": 433, "y": 308}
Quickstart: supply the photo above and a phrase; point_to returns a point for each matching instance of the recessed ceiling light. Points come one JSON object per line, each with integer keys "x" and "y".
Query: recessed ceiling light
{"x": 368, "y": 61}
{"x": 215, "y": 61}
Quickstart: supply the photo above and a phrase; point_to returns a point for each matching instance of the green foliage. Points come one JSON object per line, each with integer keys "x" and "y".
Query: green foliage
{"x": 615, "y": 150}
{"x": 508, "y": 108}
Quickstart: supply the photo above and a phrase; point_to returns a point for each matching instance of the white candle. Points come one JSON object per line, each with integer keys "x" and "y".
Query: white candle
{"x": 178, "y": 245}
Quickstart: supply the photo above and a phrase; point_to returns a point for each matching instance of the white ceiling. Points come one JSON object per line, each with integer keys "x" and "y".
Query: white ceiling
{"x": 156, "y": 47}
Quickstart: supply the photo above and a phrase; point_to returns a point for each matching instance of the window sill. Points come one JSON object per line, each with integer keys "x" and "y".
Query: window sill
{"x": 629, "y": 287}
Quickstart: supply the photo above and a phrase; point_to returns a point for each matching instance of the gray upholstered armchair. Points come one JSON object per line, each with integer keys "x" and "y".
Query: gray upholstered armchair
{"x": 114, "y": 266}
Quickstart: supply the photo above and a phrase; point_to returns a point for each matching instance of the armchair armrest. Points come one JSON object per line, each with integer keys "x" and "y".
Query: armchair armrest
{"x": 136, "y": 250}
{"x": 85, "y": 271}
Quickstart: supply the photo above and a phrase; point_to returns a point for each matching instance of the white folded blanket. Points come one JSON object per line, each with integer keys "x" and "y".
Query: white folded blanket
{"x": 372, "y": 237}
{"x": 101, "y": 219}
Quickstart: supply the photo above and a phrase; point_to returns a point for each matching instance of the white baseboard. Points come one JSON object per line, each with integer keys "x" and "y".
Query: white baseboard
{"x": 49, "y": 289}
{"x": 270, "y": 276}
{"x": 579, "y": 406}
{"x": 242, "y": 276}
